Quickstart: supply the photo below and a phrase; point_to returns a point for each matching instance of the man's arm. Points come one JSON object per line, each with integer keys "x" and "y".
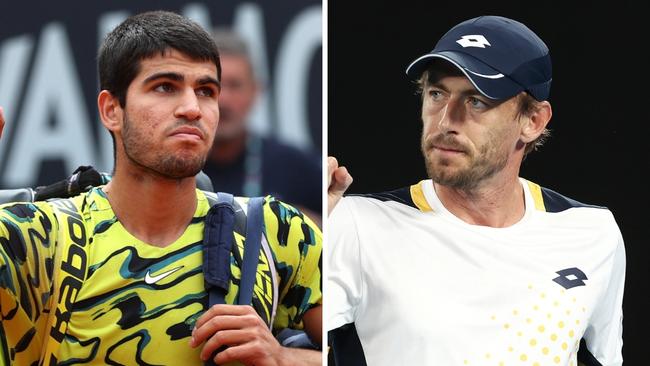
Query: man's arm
{"x": 313, "y": 320}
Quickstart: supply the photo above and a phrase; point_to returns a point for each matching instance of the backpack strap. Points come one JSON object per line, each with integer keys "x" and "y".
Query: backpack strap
{"x": 218, "y": 242}
{"x": 81, "y": 180}
{"x": 217, "y": 245}
{"x": 70, "y": 271}
{"x": 254, "y": 225}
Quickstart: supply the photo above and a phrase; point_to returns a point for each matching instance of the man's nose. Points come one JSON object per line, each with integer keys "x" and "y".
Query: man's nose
{"x": 452, "y": 113}
{"x": 188, "y": 108}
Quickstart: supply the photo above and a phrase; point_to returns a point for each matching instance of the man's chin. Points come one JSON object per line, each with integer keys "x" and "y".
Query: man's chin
{"x": 180, "y": 168}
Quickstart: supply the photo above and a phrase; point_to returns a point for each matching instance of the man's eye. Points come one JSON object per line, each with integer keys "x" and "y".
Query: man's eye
{"x": 477, "y": 103}
{"x": 164, "y": 88}
{"x": 205, "y": 92}
{"x": 435, "y": 94}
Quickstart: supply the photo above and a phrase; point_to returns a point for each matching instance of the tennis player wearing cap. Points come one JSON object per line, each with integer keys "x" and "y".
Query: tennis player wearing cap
{"x": 475, "y": 265}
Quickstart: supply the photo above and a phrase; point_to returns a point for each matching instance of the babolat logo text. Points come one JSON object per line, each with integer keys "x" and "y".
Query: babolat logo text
{"x": 475, "y": 40}
{"x": 570, "y": 278}
{"x": 74, "y": 264}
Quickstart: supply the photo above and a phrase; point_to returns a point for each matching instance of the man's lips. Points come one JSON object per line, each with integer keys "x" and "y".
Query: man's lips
{"x": 450, "y": 149}
{"x": 188, "y": 132}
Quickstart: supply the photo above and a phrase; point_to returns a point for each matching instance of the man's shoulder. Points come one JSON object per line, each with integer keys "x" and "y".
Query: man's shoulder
{"x": 270, "y": 203}
{"x": 409, "y": 197}
{"x": 562, "y": 210}
{"x": 549, "y": 201}
{"x": 556, "y": 202}
{"x": 277, "y": 213}
{"x": 286, "y": 225}
{"x": 24, "y": 212}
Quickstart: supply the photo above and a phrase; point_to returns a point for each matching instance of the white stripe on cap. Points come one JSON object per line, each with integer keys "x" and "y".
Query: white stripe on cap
{"x": 462, "y": 69}
{"x": 495, "y": 76}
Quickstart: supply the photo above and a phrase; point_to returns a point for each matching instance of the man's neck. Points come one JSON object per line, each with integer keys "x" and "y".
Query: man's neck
{"x": 154, "y": 209}
{"x": 498, "y": 203}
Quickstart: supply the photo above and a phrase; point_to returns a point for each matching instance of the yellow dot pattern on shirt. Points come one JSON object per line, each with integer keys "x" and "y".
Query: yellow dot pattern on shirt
{"x": 553, "y": 345}
{"x": 544, "y": 330}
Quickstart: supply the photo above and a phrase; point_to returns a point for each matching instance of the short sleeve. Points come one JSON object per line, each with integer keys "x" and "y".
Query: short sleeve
{"x": 345, "y": 282}
{"x": 604, "y": 335}
{"x": 296, "y": 243}
{"x": 27, "y": 246}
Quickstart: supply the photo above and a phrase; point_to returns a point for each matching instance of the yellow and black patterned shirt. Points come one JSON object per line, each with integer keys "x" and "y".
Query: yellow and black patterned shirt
{"x": 138, "y": 302}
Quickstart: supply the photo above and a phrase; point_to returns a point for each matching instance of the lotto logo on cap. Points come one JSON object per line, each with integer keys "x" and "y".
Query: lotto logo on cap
{"x": 501, "y": 57}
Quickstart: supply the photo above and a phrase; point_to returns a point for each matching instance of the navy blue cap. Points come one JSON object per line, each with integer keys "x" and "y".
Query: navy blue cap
{"x": 500, "y": 56}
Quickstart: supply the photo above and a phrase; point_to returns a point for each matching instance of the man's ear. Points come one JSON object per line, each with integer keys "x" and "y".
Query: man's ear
{"x": 110, "y": 111}
{"x": 535, "y": 124}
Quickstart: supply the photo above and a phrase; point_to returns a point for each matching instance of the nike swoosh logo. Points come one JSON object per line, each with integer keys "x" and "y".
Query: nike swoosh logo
{"x": 150, "y": 280}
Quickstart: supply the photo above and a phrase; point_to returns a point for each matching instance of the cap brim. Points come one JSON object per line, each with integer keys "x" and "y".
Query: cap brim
{"x": 488, "y": 81}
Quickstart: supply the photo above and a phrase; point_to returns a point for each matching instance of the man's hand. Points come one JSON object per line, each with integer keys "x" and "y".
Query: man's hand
{"x": 338, "y": 180}
{"x": 2, "y": 121}
{"x": 247, "y": 338}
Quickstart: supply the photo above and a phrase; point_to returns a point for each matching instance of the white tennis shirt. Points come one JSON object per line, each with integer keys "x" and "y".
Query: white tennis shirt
{"x": 423, "y": 287}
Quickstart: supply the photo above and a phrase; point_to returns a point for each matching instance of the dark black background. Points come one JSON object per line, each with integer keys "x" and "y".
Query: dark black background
{"x": 598, "y": 150}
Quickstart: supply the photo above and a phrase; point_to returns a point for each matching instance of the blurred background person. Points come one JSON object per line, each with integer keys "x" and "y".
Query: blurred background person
{"x": 244, "y": 162}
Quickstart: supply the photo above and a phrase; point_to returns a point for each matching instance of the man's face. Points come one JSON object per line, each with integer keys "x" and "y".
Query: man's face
{"x": 171, "y": 115}
{"x": 238, "y": 92}
{"x": 466, "y": 137}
